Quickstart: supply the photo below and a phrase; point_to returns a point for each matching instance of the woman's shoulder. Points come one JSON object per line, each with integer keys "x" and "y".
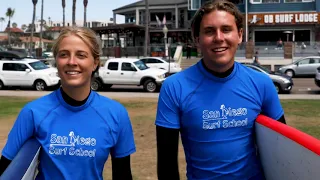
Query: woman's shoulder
{"x": 103, "y": 102}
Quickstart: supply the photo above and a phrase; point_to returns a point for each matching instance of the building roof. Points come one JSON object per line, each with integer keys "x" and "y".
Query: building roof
{"x": 3, "y": 38}
{"x": 14, "y": 30}
{"x": 152, "y": 3}
{"x": 55, "y": 28}
{"x": 34, "y": 39}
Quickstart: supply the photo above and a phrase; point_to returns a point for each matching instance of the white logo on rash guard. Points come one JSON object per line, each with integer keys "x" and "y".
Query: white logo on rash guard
{"x": 215, "y": 119}
{"x": 69, "y": 146}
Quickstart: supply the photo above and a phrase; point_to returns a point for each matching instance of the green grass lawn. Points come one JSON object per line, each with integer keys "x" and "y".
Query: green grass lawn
{"x": 301, "y": 114}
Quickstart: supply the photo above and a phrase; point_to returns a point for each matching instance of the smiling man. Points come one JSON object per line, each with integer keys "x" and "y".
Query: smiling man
{"x": 214, "y": 104}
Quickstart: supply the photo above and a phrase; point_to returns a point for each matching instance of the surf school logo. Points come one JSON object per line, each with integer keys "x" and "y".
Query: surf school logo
{"x": 225, "y": 117}
{"x": 72, "y": 145}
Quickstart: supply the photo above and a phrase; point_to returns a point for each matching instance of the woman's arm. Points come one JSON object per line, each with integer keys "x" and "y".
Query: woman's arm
{"x": 121, "y": 169}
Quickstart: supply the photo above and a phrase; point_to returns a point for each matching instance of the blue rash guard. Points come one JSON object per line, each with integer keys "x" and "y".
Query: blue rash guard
{"x": 216, "y": 117}
{"x": 75, "y": 141}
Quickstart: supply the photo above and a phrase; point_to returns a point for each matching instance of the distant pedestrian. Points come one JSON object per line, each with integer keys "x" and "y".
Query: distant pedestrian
{"x": 188, "y": 50}
{"x": 256, "y": 58}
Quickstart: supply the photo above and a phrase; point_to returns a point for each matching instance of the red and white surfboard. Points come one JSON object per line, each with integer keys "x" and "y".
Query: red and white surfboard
{"x": 287, "y": 153}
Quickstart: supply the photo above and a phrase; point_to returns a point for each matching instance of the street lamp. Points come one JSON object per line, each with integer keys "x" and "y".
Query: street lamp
{"x": 165, "y": 32}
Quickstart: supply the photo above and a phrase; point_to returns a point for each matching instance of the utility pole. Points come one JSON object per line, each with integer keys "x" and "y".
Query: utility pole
{"x": 146, "y": 40}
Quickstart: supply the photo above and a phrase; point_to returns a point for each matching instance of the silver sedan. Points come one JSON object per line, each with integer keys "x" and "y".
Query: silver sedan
{"x": 302, "y": 67}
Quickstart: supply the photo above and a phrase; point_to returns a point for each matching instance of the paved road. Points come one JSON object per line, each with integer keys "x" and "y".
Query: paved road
{"x": 19, "y": 93}
{"x": 302, "y": 86}
{"x": 305, "y": 86}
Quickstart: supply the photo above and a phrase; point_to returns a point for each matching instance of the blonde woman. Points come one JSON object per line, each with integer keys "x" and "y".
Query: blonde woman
{"x": 76, "y": 127}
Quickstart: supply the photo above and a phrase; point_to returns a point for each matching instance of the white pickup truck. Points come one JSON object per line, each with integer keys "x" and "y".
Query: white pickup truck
{"x": 128, "y": 71}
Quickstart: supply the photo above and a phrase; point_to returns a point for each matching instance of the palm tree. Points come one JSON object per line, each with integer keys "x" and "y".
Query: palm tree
{"x": 24, "y": 27}
{"x": 85, "y": 4}
{"x": 63, "y": 9}
{"x": 74, "y": 12}
{"x": 2, "y": 19}
{"x": 14, "y": 25}
{"x": 32, "y": 25}
{"x": 9, "y": 14}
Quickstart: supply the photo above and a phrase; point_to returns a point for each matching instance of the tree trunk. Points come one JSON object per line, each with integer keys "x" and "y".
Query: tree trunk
{"x": 9, "y": 32}
{"x": 85, "y": 17}
{"x": 74, "y": 13}
{"x": 32, "y": 29}
{"x": 41, "y": 25}
{"x": 64, "y": 18}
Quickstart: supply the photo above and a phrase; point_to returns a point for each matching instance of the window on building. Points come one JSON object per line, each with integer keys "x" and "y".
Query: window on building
{"x": 297, "y": 1}
{"x": 264, "y": 1}
{"x": 194, "y": 4}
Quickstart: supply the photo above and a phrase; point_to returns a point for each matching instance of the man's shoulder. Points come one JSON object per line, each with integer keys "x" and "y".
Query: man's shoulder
{"x": 186, "y": 78}
{"x": 246, "y": 71}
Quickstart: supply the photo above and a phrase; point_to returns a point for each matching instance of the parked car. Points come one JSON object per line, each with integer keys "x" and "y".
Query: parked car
{"x": 317, "y": 77}
{"x": 27, "y": 73}
{"x": 156, "y": 62}
{"x": 302, "y": 67}
{"x": 282, "y": 82}
{"x": 128, "y": 71}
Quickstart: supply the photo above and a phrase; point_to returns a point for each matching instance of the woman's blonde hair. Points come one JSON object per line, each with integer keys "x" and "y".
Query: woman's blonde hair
{"x": 88, "y": 36}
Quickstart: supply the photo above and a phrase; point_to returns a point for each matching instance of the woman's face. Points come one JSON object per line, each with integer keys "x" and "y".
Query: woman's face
{"x": 75, "y": 62}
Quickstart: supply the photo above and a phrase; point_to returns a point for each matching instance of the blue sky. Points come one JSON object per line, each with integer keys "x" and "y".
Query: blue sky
{"x": 96, "y": 10}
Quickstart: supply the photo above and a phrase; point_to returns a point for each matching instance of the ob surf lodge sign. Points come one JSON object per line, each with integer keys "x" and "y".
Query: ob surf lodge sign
{"x": 284, "y": 18}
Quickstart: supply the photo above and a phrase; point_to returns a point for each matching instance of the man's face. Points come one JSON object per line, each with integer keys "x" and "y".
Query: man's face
{"x": 218, "y": 40}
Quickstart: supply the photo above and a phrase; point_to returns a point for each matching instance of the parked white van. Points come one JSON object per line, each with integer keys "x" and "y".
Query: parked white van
{"x": 27, "y": 73}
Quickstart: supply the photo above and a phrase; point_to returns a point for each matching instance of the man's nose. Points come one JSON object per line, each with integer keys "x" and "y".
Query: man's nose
{"x": 219, "y": 36}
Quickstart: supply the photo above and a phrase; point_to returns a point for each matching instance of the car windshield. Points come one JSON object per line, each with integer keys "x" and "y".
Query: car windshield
{"x": 38, "y": 65}
{"x": 141, "y": 65}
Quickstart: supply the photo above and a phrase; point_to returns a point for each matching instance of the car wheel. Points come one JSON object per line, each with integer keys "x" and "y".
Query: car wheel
{"x": 150, "y": 86}
{"x": 95, "y": 85}
{"x": 278, "y": 88}
{"x": 1, "y": 85}
{"x": 289, "y": 73}
{"x": 40, "y": 85}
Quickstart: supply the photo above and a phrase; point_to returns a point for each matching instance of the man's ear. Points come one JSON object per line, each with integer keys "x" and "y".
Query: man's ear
{"x": 240, "y": 33}
{"x": 197, "y": 40}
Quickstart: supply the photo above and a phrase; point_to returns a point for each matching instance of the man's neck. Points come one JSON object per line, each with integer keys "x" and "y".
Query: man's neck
{"x": 218, "y": 74}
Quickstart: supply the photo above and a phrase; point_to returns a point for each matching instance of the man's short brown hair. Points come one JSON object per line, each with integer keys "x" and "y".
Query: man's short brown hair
{"x": 213, "y": 5}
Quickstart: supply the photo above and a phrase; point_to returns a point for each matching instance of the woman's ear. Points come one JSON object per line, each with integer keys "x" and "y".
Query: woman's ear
{"x": 96, "y": 64}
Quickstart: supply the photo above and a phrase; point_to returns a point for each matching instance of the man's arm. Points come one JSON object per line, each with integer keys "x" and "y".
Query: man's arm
{"x": 282, "y": 119}
{"x": 167, "y": 149}
{"x": 4, "y": 163}
{"x": 121, "y": 169}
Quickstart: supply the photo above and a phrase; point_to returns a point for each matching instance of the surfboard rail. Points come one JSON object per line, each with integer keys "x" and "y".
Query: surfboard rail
{"x": 25, "y": 163}
{"x": 286, "y": 153}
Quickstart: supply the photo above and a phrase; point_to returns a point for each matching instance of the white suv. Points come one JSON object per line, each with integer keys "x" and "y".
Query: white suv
{"x": 27, "y": 73}
{"x": 156, "y": 62}
{"x": 128, "y": 71}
